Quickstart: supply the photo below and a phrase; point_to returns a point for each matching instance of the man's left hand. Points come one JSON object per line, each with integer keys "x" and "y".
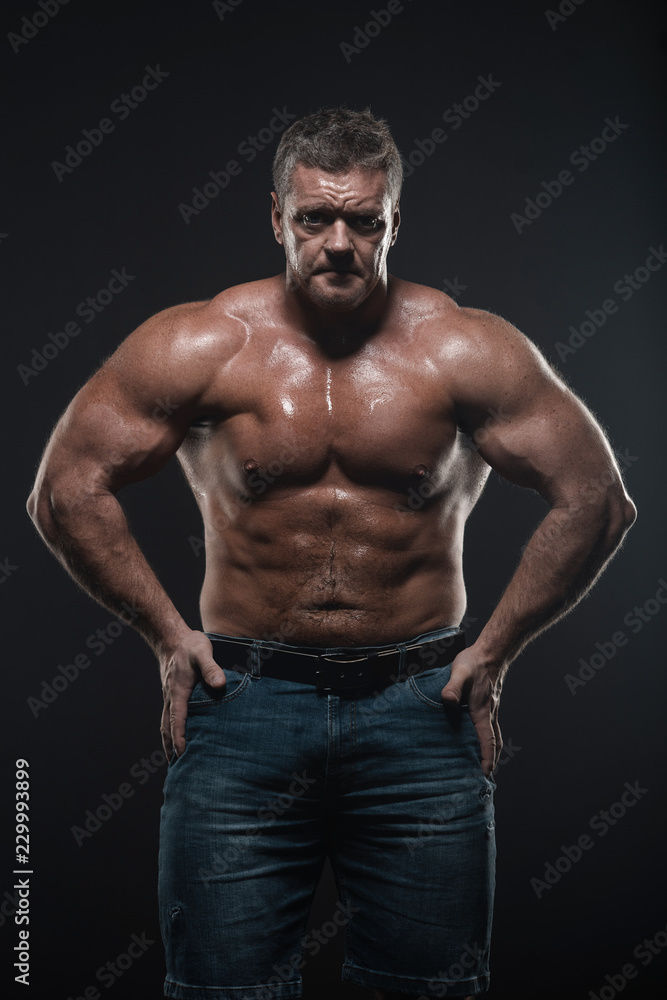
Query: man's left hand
{"x": 473, "y": 682}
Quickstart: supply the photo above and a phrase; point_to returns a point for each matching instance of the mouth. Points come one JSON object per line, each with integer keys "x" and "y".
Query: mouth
{"x": 335, "y": 270}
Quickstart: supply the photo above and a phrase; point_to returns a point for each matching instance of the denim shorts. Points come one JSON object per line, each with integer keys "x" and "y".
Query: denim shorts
{"x": 277, "y": 776}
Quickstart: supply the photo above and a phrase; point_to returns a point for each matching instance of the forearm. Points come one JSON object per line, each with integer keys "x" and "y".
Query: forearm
{"x": 91, "y": 538}
{"x": 560, "y": 563}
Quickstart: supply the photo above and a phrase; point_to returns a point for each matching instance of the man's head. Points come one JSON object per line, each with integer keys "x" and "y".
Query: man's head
{"x": 337, "y": 176}
{"x": 335, "y": 140}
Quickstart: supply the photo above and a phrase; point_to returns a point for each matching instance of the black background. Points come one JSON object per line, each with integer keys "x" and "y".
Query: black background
{"x": 120, "y": 208}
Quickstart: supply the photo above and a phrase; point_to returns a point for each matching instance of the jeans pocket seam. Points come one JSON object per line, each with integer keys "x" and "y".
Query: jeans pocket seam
{"x": 225, "y": 698}
{"x": 422, "y": 697}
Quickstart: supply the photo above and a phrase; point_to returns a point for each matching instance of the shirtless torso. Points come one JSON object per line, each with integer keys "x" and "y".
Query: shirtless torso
{"x": 336, "y": 427}
{"x": 334, "y": 490}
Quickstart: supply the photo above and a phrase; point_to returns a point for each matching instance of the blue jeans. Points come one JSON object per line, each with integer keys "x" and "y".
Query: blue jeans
{"x": 276, "y": 776}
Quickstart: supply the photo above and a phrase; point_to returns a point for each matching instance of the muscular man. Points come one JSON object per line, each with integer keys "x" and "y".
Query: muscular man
{"x": 336, "y": 426}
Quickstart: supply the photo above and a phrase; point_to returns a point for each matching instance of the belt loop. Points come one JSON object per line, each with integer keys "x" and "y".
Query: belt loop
{"x": 255, "y": 660}
{"x": 401, "y": 661}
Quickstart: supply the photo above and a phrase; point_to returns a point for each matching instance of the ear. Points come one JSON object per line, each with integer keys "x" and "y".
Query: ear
{"x": 276, "y": 218}
{"x": 395, "y": 223}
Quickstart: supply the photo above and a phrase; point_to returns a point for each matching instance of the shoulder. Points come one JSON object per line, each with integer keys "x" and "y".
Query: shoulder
{"x": 462, "y": 330}
{"x": 219, "y": 322}
{"x": 168, "y": 367}
{"x": 496, "y": 369}
{"x": 485, "y": 343}
{"x": 488, "y": 355}
{"x": 420, "y": 305}
{"x": 483, "y": 358}
{"x": 191, "y": 337}
{"x": 474, "y": 344}
{"x": 439, "y": 317}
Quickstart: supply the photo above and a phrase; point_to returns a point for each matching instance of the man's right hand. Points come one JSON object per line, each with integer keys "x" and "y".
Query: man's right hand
{"x": 180, "y": 669}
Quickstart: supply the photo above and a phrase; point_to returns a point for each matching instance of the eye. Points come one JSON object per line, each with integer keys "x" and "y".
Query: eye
{"x": 312, "y": 218}
{"x": 369, "y": 222}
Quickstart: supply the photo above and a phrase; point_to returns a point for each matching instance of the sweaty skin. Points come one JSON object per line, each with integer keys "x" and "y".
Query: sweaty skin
{"x": 336, "y": 427}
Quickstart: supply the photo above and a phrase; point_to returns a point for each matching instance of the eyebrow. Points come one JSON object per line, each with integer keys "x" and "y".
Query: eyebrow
{"x": 327, "y": 210}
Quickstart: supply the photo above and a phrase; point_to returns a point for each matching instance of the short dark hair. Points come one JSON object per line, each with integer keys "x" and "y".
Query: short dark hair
{"x": 336, "y": 139}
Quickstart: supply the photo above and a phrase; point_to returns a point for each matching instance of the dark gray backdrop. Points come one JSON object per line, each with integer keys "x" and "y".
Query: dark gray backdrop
{"x": 552, "y": 81}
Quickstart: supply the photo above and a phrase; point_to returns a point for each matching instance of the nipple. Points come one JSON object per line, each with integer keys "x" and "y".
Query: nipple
{"x": 250, "y": 465}
{"x": 421, "y": 471}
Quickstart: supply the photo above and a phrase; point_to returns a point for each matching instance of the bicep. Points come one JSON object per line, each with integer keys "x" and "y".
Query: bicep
{"x": 107, "y": 440}
{"x": 127, "y": 421}
{"x": 554, "y": 446}
{"x": 528, "y": 426}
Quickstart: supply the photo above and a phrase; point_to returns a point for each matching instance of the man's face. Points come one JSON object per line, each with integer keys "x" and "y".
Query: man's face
{"x": 336, "y": 230}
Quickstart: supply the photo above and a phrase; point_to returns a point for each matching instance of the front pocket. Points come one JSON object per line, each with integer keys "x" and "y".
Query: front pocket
{"x": 429, "y": 683}
{"x": 202, "y": 695}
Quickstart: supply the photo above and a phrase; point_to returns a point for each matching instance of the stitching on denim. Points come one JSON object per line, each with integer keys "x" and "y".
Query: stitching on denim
{"x": 329, "y": 737}
{"x": 422, "y": 697}
{"x": 345, "y": 900}
{"x": 482, "y": 979}
{"x": 256, "y": 663}
{"x": 212, "y": 989}
{"x": 226, "y": 698}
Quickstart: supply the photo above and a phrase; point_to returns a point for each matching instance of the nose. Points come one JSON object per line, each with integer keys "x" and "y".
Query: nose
{"x": 338, "y": 239}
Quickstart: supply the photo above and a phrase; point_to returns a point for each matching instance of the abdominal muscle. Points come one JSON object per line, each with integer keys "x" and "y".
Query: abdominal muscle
{"x": 332, "y": 567}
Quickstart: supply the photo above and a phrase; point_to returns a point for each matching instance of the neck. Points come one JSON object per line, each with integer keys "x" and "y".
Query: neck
{"x": 338, "y": 330}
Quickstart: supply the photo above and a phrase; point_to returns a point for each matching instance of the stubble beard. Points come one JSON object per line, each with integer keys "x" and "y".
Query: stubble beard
{"x": 339, "y": 301}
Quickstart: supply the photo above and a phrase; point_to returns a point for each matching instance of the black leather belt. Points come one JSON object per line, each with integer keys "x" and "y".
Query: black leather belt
{"x": 346, "y": 669}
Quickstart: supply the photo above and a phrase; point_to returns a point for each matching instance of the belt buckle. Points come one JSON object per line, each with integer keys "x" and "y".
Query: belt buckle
{"x": 337, "y": 658}
{"x": 321, "y": 686}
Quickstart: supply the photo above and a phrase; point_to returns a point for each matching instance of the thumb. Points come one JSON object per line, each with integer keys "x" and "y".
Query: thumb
{"x": 212, "y": 674}
{"x": 452, "y": 692}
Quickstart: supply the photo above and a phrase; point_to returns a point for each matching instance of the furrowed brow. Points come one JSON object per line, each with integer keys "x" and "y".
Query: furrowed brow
{"x": 377, "y": 211}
